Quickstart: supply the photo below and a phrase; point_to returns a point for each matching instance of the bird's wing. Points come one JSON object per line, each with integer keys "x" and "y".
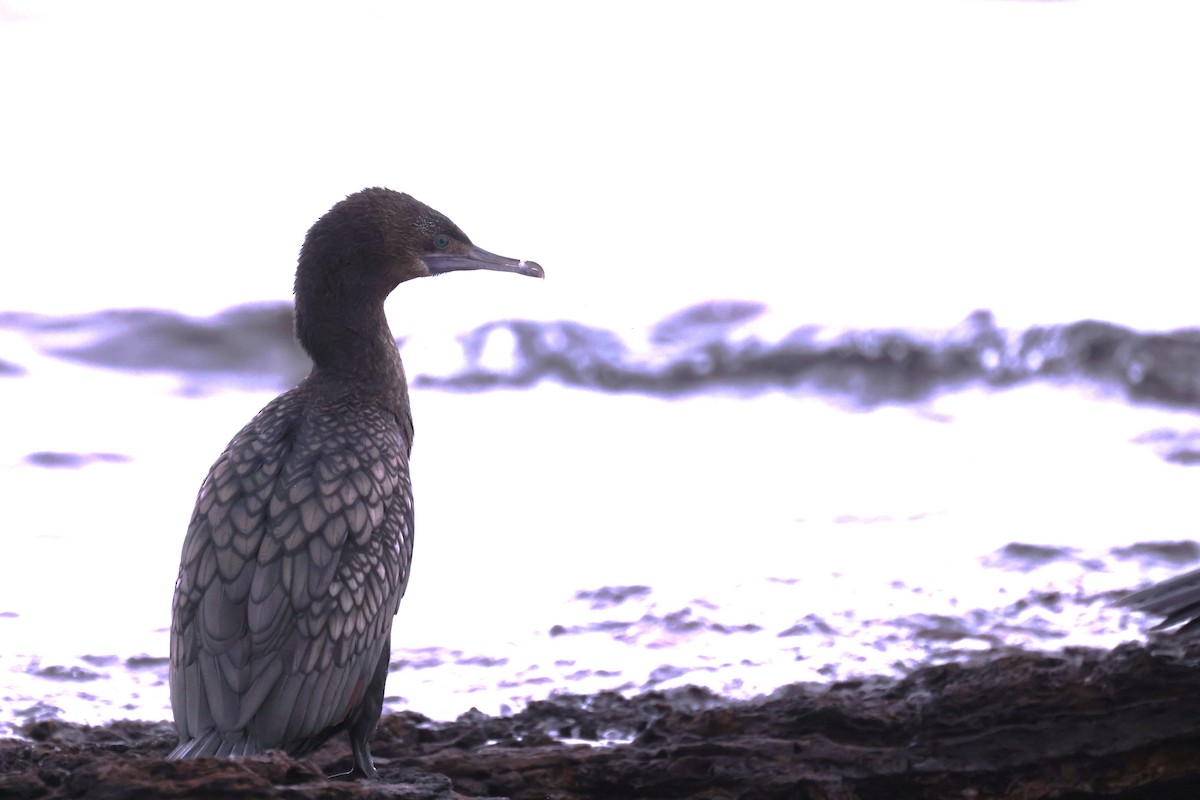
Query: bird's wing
{"x": 293, "y": 567}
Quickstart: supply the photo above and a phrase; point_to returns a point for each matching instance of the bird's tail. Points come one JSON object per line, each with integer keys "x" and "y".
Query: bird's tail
{"x": 1177, "y": 599}
{"x": 215, "y": 743}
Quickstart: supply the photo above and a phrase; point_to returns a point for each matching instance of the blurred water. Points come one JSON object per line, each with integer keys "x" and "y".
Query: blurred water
{"x": 792, "y": 507}
{"x": 572, "y": 540}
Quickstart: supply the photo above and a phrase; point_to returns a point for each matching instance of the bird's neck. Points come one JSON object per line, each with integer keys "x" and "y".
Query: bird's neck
{"x": 353, "y": 352}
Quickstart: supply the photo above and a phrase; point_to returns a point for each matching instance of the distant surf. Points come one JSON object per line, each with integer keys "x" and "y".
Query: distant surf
{"x": 717, "y": 346}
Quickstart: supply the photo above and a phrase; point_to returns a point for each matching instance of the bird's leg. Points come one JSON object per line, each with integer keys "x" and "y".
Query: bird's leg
{"x": 364, "y": 765}
{"x": 365, "y": 718}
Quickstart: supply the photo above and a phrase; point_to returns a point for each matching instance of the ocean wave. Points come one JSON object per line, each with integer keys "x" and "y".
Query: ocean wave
{"x": 718, "y": 346}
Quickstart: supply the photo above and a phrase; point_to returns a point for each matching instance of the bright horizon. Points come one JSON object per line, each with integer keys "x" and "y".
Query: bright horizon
{"x": 867, "y": 162}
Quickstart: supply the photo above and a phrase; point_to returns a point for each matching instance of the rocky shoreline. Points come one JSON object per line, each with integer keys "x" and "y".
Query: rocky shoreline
{"x": 1077, "y": 724}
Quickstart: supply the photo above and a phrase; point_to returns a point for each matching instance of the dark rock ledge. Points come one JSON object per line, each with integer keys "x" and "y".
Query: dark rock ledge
{"x": 1077, "y": 724}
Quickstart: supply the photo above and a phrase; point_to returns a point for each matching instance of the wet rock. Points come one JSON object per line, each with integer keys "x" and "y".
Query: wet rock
{"x": 1077, "y": 724}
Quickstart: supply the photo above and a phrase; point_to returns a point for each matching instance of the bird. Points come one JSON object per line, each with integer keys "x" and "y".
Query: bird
{"x": 299, "y": 547}
{"x": 1176, "y": 599}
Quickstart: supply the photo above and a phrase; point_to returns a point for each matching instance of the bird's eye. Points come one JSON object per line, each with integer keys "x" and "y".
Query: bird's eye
{"x": 441, "y": 241}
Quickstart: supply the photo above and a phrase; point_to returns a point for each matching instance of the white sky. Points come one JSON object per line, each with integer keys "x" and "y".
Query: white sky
{"x": 849, "y": 161}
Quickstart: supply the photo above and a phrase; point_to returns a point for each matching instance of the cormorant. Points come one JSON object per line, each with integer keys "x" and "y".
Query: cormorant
{"x": 1177, "y": 599}
{"x": 299, "y": 547}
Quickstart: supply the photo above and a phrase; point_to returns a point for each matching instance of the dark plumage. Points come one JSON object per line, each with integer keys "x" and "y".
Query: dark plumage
{"x": 1177, "y": 599}
{"x": 299, "y": 547}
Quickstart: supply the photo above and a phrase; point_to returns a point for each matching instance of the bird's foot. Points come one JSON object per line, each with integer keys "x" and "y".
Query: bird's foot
{"x": 357, "y": 773}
